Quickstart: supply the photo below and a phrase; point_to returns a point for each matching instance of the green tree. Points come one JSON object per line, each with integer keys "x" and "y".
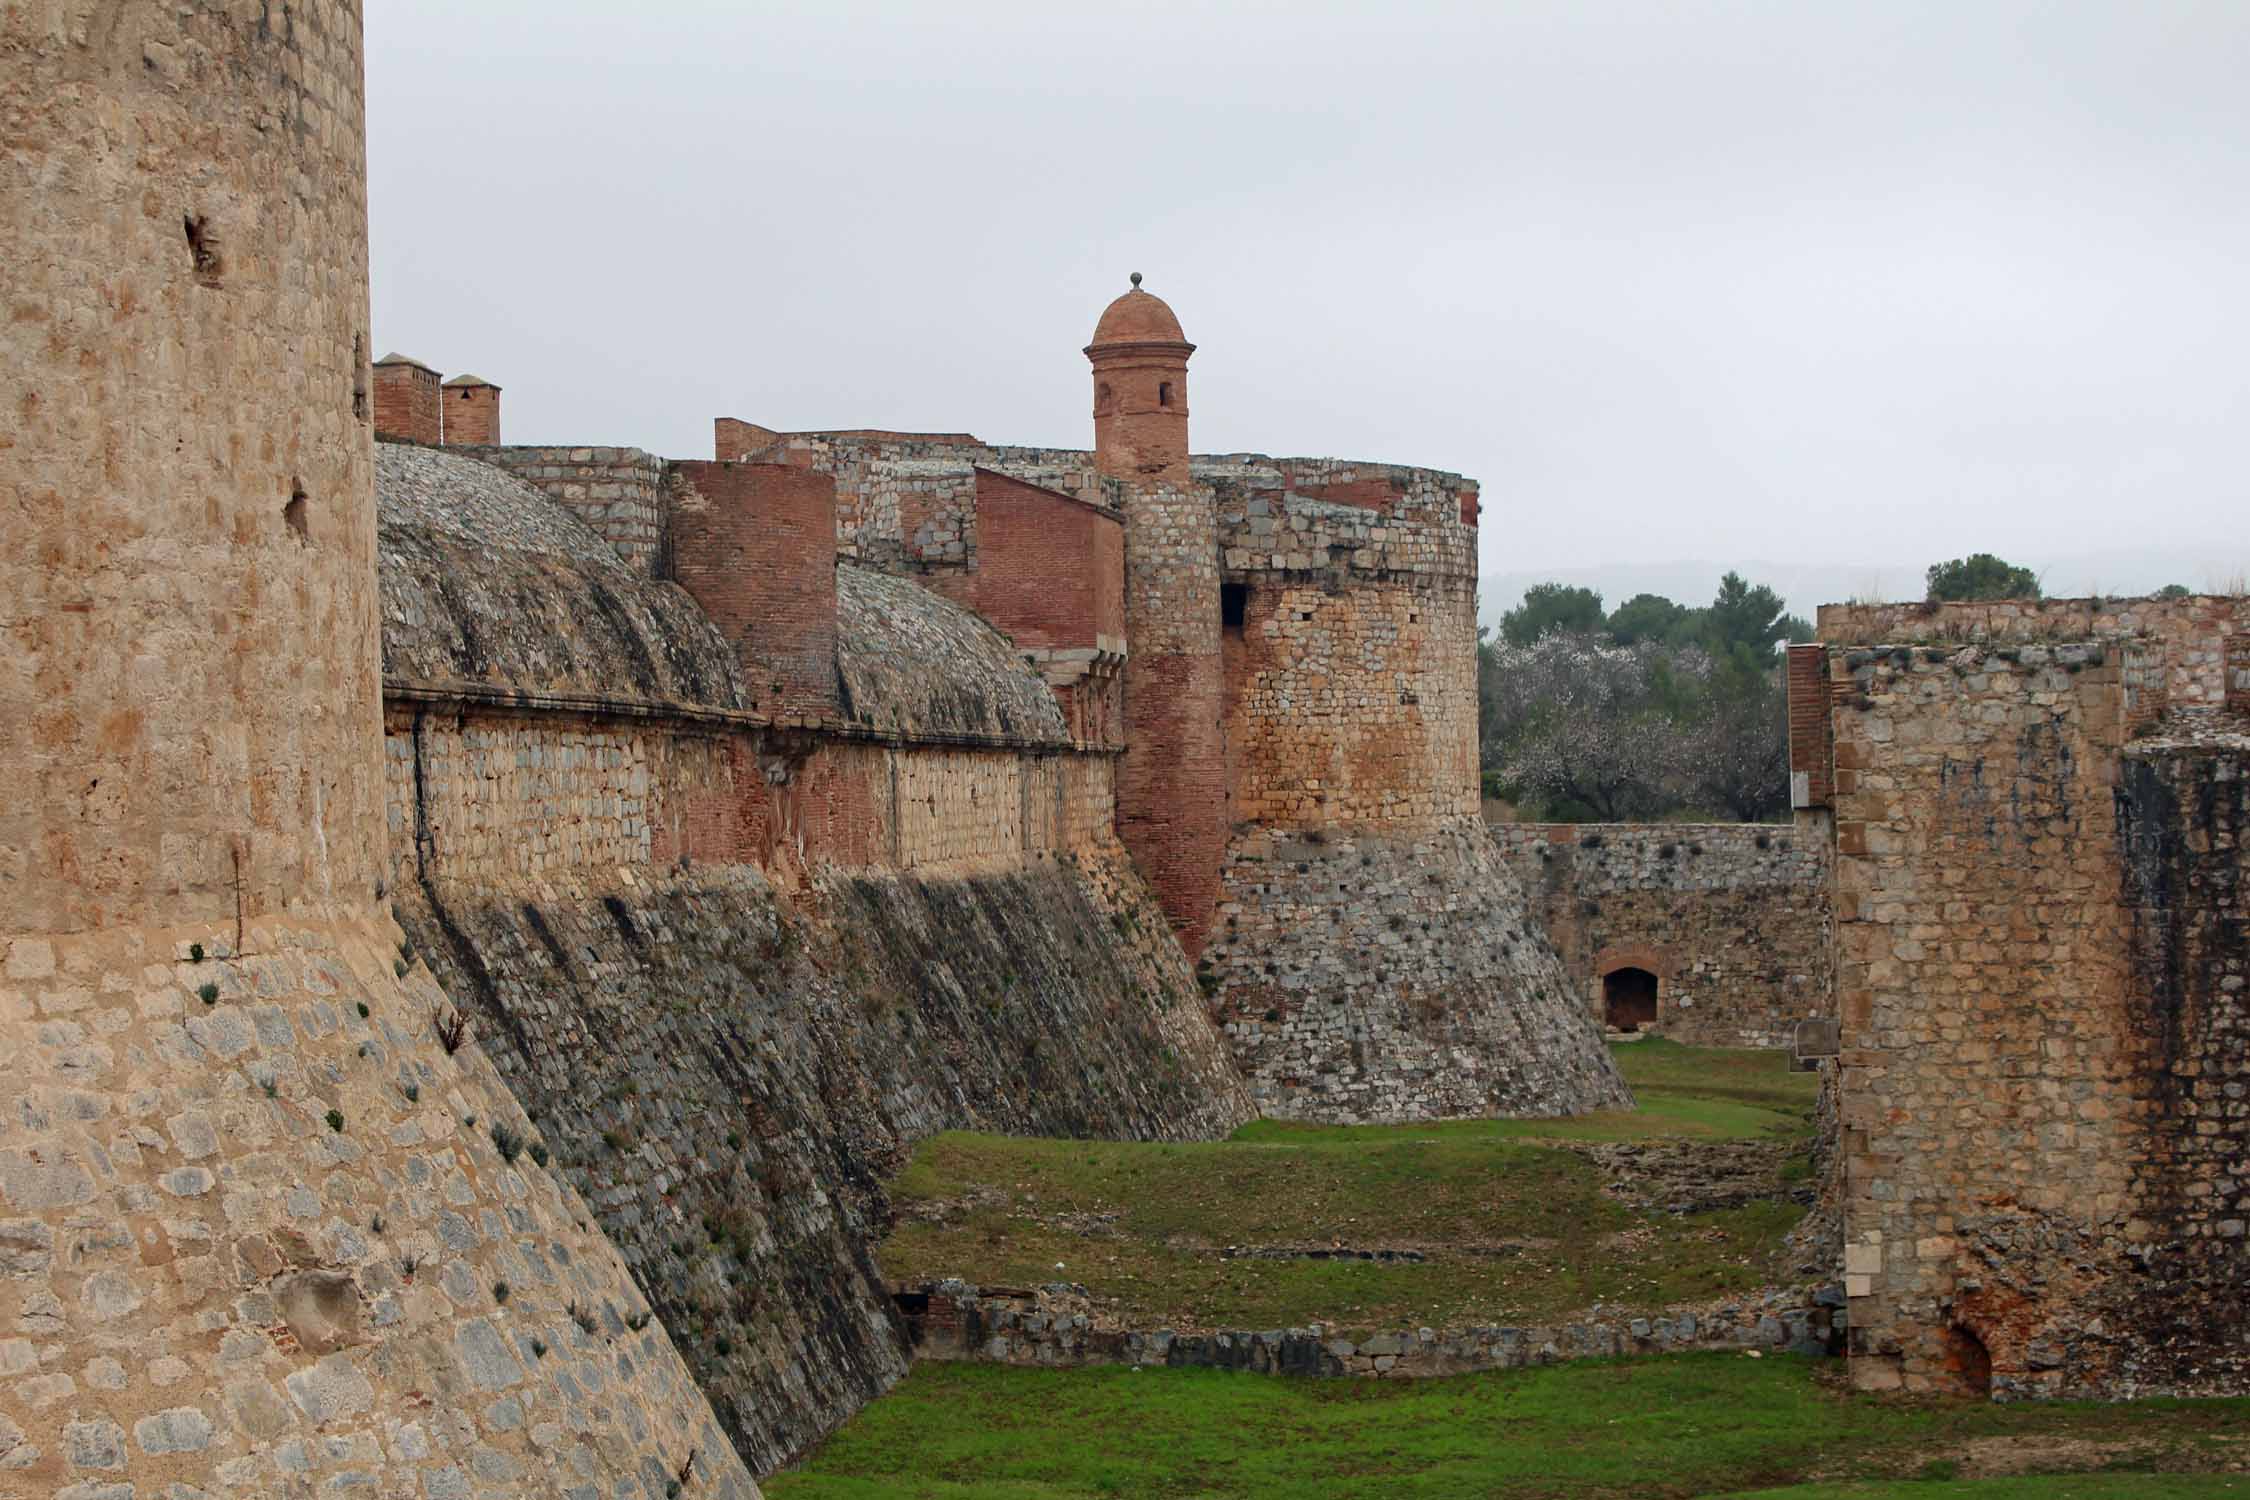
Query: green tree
{"x": 2174, "y": 591}
{"x": 1748, "y": 615}
{"x": 1551, "y": 609}
{"x": 1652, "y": 617}
{"x": 1981, "y": 576}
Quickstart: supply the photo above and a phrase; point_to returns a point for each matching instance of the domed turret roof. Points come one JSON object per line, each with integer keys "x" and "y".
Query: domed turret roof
{"x": 1138, "y": 318}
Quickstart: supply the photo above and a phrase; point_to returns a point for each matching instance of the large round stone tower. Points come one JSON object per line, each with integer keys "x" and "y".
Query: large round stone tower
{"x": 266, "y": 1232}
{"x": 1171, "y": 789}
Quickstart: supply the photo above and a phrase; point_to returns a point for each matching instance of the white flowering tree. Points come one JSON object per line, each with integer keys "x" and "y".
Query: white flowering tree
{"x": 1572, "y": 722}
{"x": 1576, "y": 726}
{"x": 1737, "y": 753}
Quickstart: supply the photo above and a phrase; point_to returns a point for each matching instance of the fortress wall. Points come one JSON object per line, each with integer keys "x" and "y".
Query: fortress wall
{"x": 2189, "y": 635}
{"x": 616, "y": 491}
{"x": 2041, "y": 969}
{"x": 1172, "y": 785}
{"x": 1371, "y": 959}
{"x": 519, "y": 794}
{"x": 482, "y": 794}
{"x": 1360, "y": 977}
{"x": 901, "y": 498}
{"x": 1731, "y": 918}
{"x": 1989, "y": 1055}
{"x": 259, "y": 1235}
{"x": 737, "y": 969}
{"x": 1352, "y": 705}
{"x": 2184, "y": 808}
{"x": 187, "y": 572}
{"x": 750, "y": 544}
{"x": 1051, "y": 570}
{"x": 260, "y": 1232}
{"x": 727, "y": 1072}
{"x": 1307, "y": 515}
{"x": 1351, "y": 642}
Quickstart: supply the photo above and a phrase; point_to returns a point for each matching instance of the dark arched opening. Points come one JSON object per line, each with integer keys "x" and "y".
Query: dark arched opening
{"x": 1629, "y": 999}
{"x": 1969, "y": 1360}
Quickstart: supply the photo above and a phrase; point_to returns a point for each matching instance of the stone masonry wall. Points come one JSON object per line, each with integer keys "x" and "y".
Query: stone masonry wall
{"x": 617, "y": 491}
{"x": 187, "y": 574}
{"x": 1351, "y": 706}
{"x": 511, "y": 795}
{"x": 1379, "y": 521}
{"x": 1731, "y": 918}
{"x": 260, "y": 1232}
{"x": 1362, "y": 978}
{"x": 2040, "y": 981}
{"x": 2188, "y": 635}
{"x": 1056, "y": 1326}
{"x": 728, "y": 1074}
{"x": 2184, "y": 809}
{"x": 1987, "y": 1070}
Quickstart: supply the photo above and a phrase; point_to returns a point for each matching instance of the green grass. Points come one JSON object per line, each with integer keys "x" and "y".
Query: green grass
{"x": 1689, "y": 1425}
{"x": 1517, "y": 1230}
{"x": 2039, "y": 1487}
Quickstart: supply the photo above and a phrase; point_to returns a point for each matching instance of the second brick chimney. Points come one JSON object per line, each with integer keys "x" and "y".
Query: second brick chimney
{"x": 472, "y": 411}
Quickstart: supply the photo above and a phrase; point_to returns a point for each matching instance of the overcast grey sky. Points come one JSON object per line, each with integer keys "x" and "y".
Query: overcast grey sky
{"x": 1832, "y": 289}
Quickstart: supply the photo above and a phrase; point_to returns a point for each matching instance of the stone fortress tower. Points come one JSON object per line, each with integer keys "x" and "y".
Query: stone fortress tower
{"x": 1294, "y": 725}
{"x": 256, "y": 1234}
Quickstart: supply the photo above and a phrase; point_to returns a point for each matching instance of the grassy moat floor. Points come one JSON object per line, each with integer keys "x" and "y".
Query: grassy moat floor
{"x": 1653, "y": 1429}
{"x": 1519, "y": 1221}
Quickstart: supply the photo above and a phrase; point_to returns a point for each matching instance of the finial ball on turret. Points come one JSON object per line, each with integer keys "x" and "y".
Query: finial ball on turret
{"x": 1136, "y": 278}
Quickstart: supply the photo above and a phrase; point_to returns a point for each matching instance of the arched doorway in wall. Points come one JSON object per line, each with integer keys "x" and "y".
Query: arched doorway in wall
{"x": 1628, "y": 999}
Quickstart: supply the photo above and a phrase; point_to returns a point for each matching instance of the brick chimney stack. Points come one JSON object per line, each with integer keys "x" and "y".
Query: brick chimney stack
{"x": 472, "y": 411}
{"x": 406, "y": 400}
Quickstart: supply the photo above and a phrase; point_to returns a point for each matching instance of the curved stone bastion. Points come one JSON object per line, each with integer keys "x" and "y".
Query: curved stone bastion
{"x": 261, "y": 1234}
{"x": 262, "y": 1231}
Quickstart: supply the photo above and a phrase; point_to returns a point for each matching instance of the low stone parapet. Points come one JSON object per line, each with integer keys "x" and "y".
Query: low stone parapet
{"x": 1057, "y": 1326}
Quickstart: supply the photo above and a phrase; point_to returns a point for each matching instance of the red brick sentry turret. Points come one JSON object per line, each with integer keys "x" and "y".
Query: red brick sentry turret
{"x": 1171, "y": 786}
